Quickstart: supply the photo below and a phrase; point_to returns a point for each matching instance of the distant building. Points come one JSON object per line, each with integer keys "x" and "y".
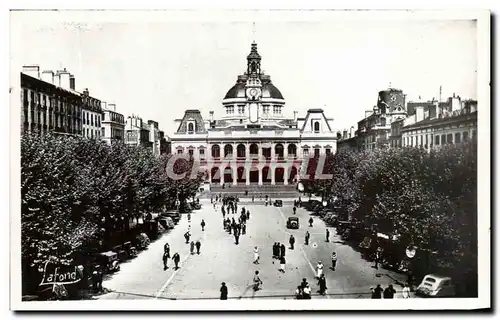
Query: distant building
{"x": 49, "y": 102}
{"x": 253, "y": 128}
{"x": 140, "y": 133}
{"x": 165, "y": 145}
{"x": 347, "y": 140}
{"x": 112, "y": 124}
{"x": 455, "y": 121}
{"x": 374, "y": 130}
{"x": 91, "y": 115}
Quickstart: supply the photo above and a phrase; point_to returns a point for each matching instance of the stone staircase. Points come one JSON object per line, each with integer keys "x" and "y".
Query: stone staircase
{"x": 274, "y": 191}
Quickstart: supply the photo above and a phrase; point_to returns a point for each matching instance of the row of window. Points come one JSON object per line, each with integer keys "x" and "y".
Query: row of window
{"x": 49, "y": 118}
{"x": 46, "y": 101}
{"x": 91, "y": 119}
{"x": 91, "y": 133}
{"x": 265, "y": 109}
{"x": 266, "y": 152}
{"x": 113, "y": 116}
{"x": 317, "y": 152}
{"x": 442, "y": 139}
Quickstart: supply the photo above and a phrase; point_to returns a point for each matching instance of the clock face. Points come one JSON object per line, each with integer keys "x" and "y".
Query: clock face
{"x": 253, "y": 92}
{"x": 393, "y": 98}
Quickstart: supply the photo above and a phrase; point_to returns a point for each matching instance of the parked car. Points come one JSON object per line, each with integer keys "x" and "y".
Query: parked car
{"x": 107, "y": 260}
{"x": 278, "y": 203}
{"x": 185, "y": 207}
{"x": 173, "y": 214}
{"x": 166, "y": 222}
{"x": 292, "y": 223}
{"x": 434, "y": 285}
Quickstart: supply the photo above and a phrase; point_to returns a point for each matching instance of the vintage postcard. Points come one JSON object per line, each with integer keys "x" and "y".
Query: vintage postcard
{"x": 246, "y": 160}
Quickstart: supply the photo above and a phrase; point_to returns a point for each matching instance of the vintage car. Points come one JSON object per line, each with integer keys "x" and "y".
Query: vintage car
{"x": 166, "y": 222}
{"x": 278, "y": 203}
{"x": 173, "y": 214}
{"x": 107, "y": 260}
{"x": 292, "y": 223}
{"x": 434, "y": 285}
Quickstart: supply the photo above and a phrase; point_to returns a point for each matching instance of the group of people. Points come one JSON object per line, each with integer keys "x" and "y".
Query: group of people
{"x": 236, "y": 228}
{"x": 279, "y": 254}
{"x": 176, "y": 258}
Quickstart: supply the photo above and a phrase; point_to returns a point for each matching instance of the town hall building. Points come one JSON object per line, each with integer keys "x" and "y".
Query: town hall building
{"x": 253, "y": 142}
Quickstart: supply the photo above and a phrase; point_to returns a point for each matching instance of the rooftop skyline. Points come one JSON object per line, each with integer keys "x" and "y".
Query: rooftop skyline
{"x": 159, "y": 69}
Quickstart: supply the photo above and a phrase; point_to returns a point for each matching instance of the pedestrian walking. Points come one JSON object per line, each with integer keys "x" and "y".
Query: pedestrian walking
{"x": 248, "y": 214}
{"x": 319, "y": 269}
{"x": 377, "y": 257}
{"x": 166, "y": 248}
{"x": 294, "y": 209}
{"x": 186, "y": 236}
{"x": 198, "y": 246}
{"x": 202, "y": 225}
{"x": 191, "y": 247}
{"x": 322, "y": 285}
{"x": 97, "y": 277}
{"x": 253, "y": 198}
{"x": 389, "y": 292}
{"x": 327, "y": 235}
{"x": 189, "y": 217}
{"x": 223, "y": 291}
{"x": 307, "y": 238}
{"x": 406, "y": 291}
{"x": 176, "y": 258}
{"x": 334, "y": 260}
{"x": 211, "y": 199}
{"x": 377, "y": 292}
{"x": 257, "y": 283}
{"x": 292, "y": 241}
{"x": 311, "y": 222}
{"x": 256, "y": 256}
{"x": 236, "y": 236}
{"x": 282, "y": 250}
{"x": 282, "y": 264}
{"x": 166, "y": 256}
{"x": 243, "y": 228}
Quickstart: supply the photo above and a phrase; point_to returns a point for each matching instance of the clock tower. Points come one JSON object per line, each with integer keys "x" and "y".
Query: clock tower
{"x": 254, "y": 84}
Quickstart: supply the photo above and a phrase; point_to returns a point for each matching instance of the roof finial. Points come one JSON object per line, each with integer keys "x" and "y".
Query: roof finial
{"x": 253, "y": 31}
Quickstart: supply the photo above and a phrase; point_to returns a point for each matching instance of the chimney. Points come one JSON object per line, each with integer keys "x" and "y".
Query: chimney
{"x": 48, "y": 76}
{"x": 295, "y": 116}
{"x": 104, "y": 105}
{"x": 455, "y": 103}
{"x": 419, "y": 113}
{"x": 64, "y": 76}
{"x": 351, "y": 132}
{"x": 72, "y": 82}
{"x": 344, "y": 135}
{"x": 32, "y": 71}
{"x": 211, "y": 115}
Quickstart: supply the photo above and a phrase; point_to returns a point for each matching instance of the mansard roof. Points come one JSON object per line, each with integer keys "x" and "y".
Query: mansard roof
{"x": 192, "y": 115}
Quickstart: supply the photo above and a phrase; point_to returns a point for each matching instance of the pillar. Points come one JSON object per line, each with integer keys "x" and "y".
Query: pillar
{"x": 286, "y": 173}
{"x": 221, "y": 174}
{"x": 260, "y": 176}
{"x": 247, "y": 150}
{"x": 210, "y": 175}
{"x": 285, "y": 151}
{"x": 234, "y": 172}
{"x": 273, "y": 151}
{"x": 272, "y": 171}
{"x": 247, "y": 176}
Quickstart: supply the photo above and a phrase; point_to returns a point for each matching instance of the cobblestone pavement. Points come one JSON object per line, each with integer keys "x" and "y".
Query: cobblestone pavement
{"x": 221, "y": 260}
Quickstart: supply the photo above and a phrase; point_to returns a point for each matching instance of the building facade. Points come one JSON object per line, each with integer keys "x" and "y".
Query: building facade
{"x": 91, "y": 115}
{"x": 374, "y": 131}
{"x": 448, "y": 127}
{"x": 253, "y": 142}
{"x": 50, "y": 102}
{"x": 140, "y": 133}
{"x": 112, "y": 124}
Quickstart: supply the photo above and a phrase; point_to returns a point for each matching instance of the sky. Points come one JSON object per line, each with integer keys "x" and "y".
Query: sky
{"x": 157, "y": 68}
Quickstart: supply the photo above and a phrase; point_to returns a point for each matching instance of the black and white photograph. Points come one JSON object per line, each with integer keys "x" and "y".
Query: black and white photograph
{"x": 243, "y": 160}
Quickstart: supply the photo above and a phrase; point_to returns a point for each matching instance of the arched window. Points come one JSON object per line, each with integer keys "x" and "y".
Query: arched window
{"x": 215, "y": 151}
{"x": 292, "y": 150}
{"x": 228, "y": 150}
{"x": 190, "y": 127}
{"x": 449, "y": 138}
{"x": 457, "y": 137}
{"x": 240, "y": 151}
{"x": 316, "y": 126}
{"x": 254, "y": 149}
{"x": 279, "y": 151}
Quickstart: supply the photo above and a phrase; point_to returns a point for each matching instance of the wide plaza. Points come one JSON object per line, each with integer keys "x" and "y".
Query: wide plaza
{"x": 221, "y": 260}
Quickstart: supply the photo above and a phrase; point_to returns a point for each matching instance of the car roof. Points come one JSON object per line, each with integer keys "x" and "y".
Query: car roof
{"x": 438, "y": 277}
{"x": 293, "y": 218}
